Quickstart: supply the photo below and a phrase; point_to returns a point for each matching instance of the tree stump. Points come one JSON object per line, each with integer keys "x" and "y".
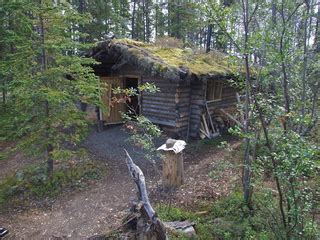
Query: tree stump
{"x": 173, "y": 171}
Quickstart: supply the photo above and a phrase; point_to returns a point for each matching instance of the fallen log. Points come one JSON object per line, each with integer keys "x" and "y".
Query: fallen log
{"x": 183, "y": 227}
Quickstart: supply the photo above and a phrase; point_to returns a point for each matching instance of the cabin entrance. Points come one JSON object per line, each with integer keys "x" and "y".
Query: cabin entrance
{"x": 133, "y": 105}
{"x": 114, "y": 103}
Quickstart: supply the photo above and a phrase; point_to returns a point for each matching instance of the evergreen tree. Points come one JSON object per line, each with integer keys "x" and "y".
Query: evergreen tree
{"x": 159, "y": 20}
{"x": 47, "y": 82}
{"x": 107, "y": 16}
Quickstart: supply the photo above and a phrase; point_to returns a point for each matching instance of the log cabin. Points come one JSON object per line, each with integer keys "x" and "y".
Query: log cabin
{"x": 196, "y": 97}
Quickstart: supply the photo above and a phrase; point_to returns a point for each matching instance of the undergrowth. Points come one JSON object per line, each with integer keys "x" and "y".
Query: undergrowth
{"x": 32, "y": 183}
{"x": 200, "y": 146}
{"x": 229, "y": 218}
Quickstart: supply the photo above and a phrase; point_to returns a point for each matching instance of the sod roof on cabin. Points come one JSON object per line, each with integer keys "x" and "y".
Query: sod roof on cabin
{"x": 170, "y": 63}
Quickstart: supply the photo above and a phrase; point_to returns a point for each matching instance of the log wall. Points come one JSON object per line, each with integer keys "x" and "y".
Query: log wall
{"x": 178, "y": 107}
{"x": 197, "y": 106}
{"x": 228, "y": 102}
{"x": 161, "y": 107}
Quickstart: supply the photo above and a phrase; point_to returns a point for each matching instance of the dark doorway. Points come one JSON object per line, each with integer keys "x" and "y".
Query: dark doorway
{"x": 133, "y": 103}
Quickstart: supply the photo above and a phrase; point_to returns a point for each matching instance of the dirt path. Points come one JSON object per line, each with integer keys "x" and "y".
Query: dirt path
{"x": 86, "y": 213}
{"x": 101, "y": 207}
{"x": 77, "y": 216}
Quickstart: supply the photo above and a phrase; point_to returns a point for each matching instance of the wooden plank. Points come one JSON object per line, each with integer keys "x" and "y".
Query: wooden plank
{"x": 204, "y": 121}
{"x": 210, "y": 119}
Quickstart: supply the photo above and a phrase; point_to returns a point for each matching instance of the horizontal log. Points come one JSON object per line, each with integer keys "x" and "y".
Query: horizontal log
{"x": 185, "y": 109}
{"x": 196, "y": 111}
{"x": 183, "y": 90}
{"x": 159, "y": 103}
{"x": 163, "y": 84}
{"x": 164, "y": 117}
{"x": 197, "y": 102}
{"x": 158, "y": 99}
{"x": 157, "y": 106}
{"x": 183, "y": 95}
{"x": 162, "y": 122}
{"x": 164, "y": 94}
{"x": 166, "y": 111}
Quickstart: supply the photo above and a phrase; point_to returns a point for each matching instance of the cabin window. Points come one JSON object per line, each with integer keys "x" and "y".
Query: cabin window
{"x": 214, "y": 90}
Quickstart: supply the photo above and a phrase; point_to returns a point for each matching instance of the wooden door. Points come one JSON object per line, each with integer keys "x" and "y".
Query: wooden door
{"x": 114, "y": 109}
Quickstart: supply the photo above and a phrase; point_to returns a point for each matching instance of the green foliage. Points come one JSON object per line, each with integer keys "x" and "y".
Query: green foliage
{"x": 182, "y": 18}
{"x": 32, "y": 183}
{"x": 48, "y": 77}
{"x": 228, "y": 218}
{"x": 171, "y": 213}
{"x": 107, "y": 16}
{"x": 282, "y": 104}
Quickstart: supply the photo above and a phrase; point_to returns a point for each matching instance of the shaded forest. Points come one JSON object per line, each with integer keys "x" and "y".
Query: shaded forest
{"x": 274, "y": 47}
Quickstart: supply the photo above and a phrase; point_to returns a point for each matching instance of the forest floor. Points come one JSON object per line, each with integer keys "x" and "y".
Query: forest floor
{"x": 101, "y": 206}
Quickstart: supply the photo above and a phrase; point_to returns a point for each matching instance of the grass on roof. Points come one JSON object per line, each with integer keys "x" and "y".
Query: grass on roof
{"x": 198, "y": 63}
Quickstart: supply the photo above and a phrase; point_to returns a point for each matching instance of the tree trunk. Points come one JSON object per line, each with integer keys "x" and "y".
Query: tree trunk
{"x": 49, "y": 148}
{"x": 133, "y": 35}
{"x": 4, "y": 94}
{"x": 247, "y": 161}
{"x": 209, "y": 36}
{"x": 304, "y": 70}
{"x": 144, "y": 14}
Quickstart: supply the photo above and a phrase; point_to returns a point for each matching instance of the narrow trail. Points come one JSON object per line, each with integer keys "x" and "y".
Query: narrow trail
{"x": 78, "y": 216}
{"x": 101, "y": 207}
{"x": 87, "y": 212}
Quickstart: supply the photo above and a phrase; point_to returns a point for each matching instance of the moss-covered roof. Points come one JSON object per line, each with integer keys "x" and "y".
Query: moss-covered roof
{"x": 172, "y": 63}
